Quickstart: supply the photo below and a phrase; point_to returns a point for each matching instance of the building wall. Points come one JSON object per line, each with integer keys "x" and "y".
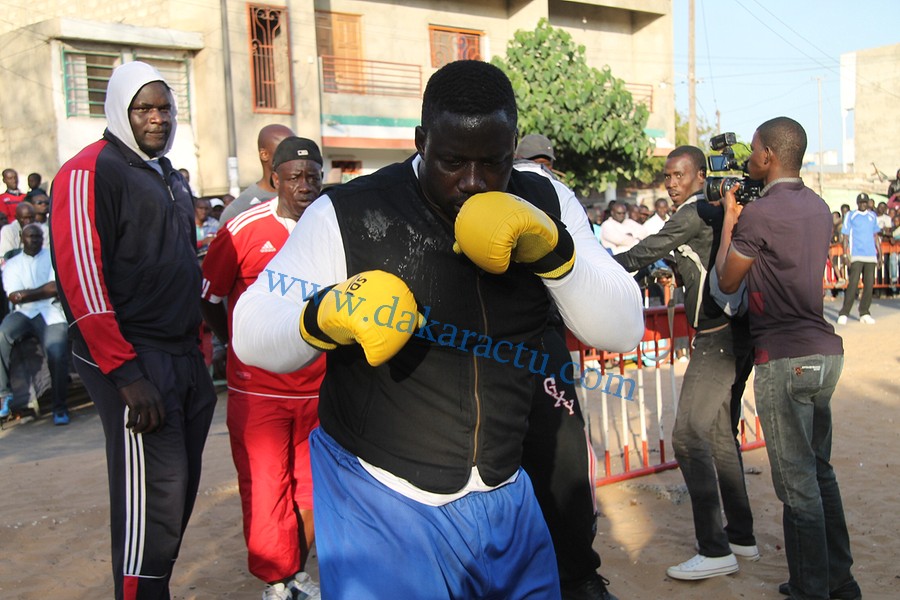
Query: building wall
{"x": 35, "y": 133}
{"x": 876, "y": 125}
{"x": 209, "y": 86}
{"x": 637, "y": 47}
{"x": 28, "y": 135}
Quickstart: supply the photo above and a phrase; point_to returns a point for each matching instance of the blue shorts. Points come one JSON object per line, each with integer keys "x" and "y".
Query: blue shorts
{"x": 374, "y": 543}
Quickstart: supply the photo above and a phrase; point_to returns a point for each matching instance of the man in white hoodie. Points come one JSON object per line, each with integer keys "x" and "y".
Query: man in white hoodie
{"x": 124, "y": 252}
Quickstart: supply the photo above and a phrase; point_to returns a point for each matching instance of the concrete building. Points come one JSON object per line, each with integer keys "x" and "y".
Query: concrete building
{"x": 870, "y": 110}
{"x": 346, "y": 73}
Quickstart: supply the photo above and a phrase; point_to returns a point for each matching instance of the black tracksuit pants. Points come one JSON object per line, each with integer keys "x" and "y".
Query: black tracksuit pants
{"x": 558, "y": 460}
{"x": 153, "y": 477}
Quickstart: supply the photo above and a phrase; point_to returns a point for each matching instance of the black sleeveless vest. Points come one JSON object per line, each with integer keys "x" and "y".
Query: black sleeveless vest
{"x": 459, "y": 393}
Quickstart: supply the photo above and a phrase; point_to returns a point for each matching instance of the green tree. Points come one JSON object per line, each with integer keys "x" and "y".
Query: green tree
{"x": 705, "y": 133}
{"x": 596, "y": 128}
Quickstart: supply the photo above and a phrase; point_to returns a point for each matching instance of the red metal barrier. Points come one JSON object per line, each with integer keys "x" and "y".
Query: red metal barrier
{"x": 836, "y": 267}
{"x": 659, "y": 337}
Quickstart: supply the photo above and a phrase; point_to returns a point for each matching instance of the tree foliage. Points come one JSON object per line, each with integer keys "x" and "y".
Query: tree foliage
{"x": 596, "y": 128}
{"x": 705, "y": 133}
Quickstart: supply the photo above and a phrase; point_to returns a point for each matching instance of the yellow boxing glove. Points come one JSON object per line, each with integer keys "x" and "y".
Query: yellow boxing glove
{"x": 374, "y": 309}
{"x": 495, "y": 227}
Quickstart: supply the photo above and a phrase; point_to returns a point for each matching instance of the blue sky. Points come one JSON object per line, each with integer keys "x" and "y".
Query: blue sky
{"x": 758, "y": 59}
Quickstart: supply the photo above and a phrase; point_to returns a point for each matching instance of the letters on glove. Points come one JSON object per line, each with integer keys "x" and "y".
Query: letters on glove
{"x": 374, "y": 309}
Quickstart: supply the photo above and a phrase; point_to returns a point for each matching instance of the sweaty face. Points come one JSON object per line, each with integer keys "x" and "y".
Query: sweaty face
{"x": 150, "y": 115}
{"x": 299, "y": 183}
{"x": 682, "y": 178}
{"x": 463, "y": 156}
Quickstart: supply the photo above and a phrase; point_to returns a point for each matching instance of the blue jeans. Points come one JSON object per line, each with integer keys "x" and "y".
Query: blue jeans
{"x": 54, "y": 339}
{"x": 793, "y": 398}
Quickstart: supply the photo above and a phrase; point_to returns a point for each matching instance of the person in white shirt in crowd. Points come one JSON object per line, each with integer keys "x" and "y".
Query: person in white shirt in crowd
{"x": 635, "y": 214}
{"x": 619, "y": 233}
{"x": 41, "y": 203}
{"x": 659, "y": 218}
{"x": 883, "y": 218}
{"x": 31, "y": 283}
{"x": 11, "y": 234}
{"x": 217, "y": 205}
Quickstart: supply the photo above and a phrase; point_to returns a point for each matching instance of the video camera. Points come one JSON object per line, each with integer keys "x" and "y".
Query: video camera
{"x": 716, "y": 187}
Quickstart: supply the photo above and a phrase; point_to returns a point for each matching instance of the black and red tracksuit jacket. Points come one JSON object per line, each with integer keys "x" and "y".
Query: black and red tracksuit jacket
{"x": 123, "y": 245}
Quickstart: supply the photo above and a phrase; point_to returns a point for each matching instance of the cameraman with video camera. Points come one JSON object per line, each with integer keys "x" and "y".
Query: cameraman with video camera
{"x": 704, "y": 435}
{"x": 779, "y": 243}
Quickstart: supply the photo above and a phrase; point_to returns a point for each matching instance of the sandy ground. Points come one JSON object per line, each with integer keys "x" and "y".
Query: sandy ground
{"x": 54, "y": 516}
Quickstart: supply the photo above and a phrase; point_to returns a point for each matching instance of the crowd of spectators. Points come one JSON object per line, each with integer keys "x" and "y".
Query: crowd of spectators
{"x": 28, "y": 300}
{"x": 620, "y": 225}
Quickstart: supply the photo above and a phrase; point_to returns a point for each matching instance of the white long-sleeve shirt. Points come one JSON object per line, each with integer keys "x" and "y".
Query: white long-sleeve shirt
{"x": 598, "y": 300}
{"x": 620, "y": 237}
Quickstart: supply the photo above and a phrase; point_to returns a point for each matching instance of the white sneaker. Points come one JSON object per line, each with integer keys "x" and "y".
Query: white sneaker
{"x": 703, "y": 567}
{"x": 867, "y": 319}
{"x": 277, "y": 591}
{"x": 303, "y": 587}
{"x": 842, "y": 320}
{"x": 748, "y": 552}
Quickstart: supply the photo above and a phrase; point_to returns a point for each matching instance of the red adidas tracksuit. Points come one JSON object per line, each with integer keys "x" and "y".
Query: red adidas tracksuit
{"x": 270, "y": 415}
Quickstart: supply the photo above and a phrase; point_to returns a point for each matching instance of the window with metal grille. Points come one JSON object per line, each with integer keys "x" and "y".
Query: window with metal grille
{"x": 449, "y": 44}
{"x": 85, "y": 77}
{"x": 175, "y": 72}
{"x": 270, "y": 59}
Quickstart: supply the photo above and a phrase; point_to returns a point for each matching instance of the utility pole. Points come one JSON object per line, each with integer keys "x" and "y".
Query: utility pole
{"x": 692, "y": 79}
{"x": 821, "y": 155}
{"x": 232, "y": 163}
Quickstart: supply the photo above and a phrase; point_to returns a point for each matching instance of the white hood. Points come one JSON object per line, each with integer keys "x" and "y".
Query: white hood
{"x": 124, "y": 83}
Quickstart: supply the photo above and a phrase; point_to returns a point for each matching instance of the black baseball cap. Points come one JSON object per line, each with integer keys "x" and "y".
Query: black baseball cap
{"x": 296, "y": 148}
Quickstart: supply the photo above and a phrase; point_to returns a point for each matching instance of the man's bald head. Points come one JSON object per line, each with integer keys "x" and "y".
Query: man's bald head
{"x": 25, "y": 213}
{"x": 33, "y": 227}
{"x": 267, "y": 141}
{"x": 270, "y": 136}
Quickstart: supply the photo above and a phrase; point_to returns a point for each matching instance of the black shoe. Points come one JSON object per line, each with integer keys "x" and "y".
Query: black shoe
{"x": 592, "y": 587}
{"x": 848, "y": 591}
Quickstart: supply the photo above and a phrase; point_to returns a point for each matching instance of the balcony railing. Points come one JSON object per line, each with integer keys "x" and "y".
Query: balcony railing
{"x": 642, "y": 93}
{"x": 370, "y": 77}
{"x": 379, "y": 78}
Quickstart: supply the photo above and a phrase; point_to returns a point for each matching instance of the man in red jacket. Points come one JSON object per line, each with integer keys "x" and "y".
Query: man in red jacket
{"x": 270, "y": 415}
{"x": 12, "y": 196}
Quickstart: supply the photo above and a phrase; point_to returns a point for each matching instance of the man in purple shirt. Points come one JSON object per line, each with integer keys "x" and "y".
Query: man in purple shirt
{"x": 779, "y": 243}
